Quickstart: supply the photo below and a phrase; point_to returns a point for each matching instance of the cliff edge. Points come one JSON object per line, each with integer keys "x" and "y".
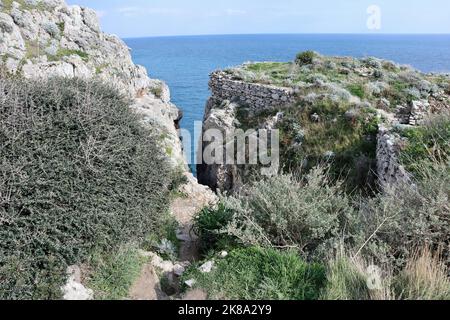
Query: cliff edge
{"x": 46, "y": 38}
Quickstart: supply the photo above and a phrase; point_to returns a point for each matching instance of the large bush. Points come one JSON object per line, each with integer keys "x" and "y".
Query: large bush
{"x": 284, "y": 211}
{"x": 78, "y": 174}
{"x": 408, "y": 216}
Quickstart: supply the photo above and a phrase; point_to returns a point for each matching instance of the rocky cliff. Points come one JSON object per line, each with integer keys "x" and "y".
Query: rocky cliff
{"x": 44, "y": 38}
{"x": 48, "y": 38}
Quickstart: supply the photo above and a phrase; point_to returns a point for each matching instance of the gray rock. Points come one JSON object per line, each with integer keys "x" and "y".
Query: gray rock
{"x": 52, "y": 49}
{"x": 6, "y": 23}
{"x": 74, "y": 289}
{"x": 178, "y": 270}
{"x": 207, "y": 267}
{"x": 315, "y": 117}
{"x": 190, "y": 283}
{"x": 51, "y": 28}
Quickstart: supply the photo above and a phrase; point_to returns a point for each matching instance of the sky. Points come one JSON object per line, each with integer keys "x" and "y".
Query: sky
{"x": 144, "y": 18}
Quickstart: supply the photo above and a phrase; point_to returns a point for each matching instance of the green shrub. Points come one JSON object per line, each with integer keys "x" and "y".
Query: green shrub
{"x": 283, "y": 211}
{"x": 260, "y": 274}
{"x": 424, "y": 277}
{"x": 305, "y": 143}
{"x": 78, "y": 174}
{"x": 409, "y": 216}
{"x": 427, "y": 144}
{"x": 305, "y": 58}
{"x": 69, "y": 52}
{"x": 209, "y": 225}
{"x": 157, "y": 91}
{"x": 345, "y": 281}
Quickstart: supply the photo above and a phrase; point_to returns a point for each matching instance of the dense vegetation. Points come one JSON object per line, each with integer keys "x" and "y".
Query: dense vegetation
{"x": 389, "y": 244}
{"x": 426, "y": 144}
{"x": 79, "y": 175}
{"x": 403, "y": 233}
{"x": 341, "y": 101}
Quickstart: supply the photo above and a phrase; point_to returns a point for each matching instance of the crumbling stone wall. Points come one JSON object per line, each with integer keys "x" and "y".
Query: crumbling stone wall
{"x": 256, "y": 96}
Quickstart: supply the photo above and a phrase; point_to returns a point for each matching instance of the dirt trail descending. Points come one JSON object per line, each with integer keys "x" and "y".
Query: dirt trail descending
{"x": 147, "y": 286}
{"x": 184, "y": 209}
{"x": 195, "y": 198}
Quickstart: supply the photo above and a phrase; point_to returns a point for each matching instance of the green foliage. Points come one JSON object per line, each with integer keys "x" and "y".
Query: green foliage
{"x": 157, "y": 91}
{"x": 261, "y": 274}
{"x": 283, "y": 211}
{"x": 69, "y": 52}
{"x": 272, "y": 67}
{"x": 114, "y": 274}
{"x": 24, "y": 5}
{"x": 423, "y": 277}
{"x": 345, "y": 281}
{"x": 61, "y": 27}
{"x": 406, "y": 217}
{"x": 209, "y": 225}
{"x": 353, "y": 142}
{"x": 357, "y": 89}
{"x": 305, "y": 58}
{"x": 248, "y": 120}
{"x": 427, "y": 144}
{"x": 79, "y": 174}
{"x": 166, "y": 232}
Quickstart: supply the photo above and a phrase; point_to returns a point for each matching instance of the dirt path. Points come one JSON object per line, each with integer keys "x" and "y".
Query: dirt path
{"x": 195, "y": 198}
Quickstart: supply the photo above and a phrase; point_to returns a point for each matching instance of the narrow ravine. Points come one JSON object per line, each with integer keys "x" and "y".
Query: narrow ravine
{"x": 148, "y": 286}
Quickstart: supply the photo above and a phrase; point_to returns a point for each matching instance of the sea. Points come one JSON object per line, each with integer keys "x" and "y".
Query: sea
{"x": 185, "y": 62}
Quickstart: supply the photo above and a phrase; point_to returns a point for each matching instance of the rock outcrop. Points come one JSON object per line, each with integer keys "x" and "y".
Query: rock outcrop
{"x": 221, "y": 116}
{"x": 389, "y": 169}
{"x": 44, "y": 38}
{"x": 335, "y": 92}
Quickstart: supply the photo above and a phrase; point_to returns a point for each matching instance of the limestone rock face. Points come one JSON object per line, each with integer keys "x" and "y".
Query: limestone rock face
{"x": 48, "y": 37}
{"x": 219, "y": 116}
{"x": 44, "y": 38}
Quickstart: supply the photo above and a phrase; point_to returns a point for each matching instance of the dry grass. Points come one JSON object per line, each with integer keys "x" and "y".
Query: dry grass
{"x": 425, "y": 277}
{"x": 356, "y": 278}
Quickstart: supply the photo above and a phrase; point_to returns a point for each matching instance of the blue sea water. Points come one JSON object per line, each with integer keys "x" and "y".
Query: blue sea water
{"x": 185, "y": 62}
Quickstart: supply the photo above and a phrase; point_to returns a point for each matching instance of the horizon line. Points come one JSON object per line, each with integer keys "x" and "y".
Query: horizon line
{"x": 266, "y": 34}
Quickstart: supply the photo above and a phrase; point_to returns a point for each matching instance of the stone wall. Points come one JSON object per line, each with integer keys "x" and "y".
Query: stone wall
{"x": 256, "y": 96}
{"x": 414, "y": 113}
{"x": 389, "y": 170}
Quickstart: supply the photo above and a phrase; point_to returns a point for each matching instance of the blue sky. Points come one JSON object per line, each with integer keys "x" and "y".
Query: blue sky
{"x": 140, "y": 18}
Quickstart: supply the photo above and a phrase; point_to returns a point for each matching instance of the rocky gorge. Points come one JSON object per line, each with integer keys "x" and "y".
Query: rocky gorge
{"x": 97, "y": 201}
